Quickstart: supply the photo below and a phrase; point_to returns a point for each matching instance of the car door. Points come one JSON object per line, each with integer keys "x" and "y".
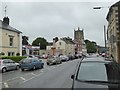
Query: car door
{"x": 7, "y": 64}
{"x": 12, "y": 64}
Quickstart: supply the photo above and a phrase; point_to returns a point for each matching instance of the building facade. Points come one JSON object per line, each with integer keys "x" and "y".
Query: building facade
{"x": 11, "y": 39}
{"x": 62, "y": 46}
{"x": 80, "y": 46}
{"x": 113, "y": 31}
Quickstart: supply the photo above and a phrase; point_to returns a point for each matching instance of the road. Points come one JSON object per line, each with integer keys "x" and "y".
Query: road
{"x": 55, "y": 76}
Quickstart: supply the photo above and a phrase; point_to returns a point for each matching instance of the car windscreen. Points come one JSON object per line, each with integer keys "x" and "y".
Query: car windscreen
{"x": 106, "y": 72}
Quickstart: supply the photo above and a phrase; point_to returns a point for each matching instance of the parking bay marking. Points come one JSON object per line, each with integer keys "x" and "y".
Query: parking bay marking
{"x": 15, "y": 78}
{"x": 22, "y": 78}
{"x": 6, "y": 85}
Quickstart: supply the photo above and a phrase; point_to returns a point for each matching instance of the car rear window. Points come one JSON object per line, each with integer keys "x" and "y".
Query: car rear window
{"x": 26, "y": 61}
{"x": 108, "y": 72}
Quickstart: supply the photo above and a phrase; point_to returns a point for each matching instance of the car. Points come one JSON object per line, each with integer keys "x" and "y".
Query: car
{"x": 31, "y": 63}
{"x": 53, "y": 60}
{"x": 8, "y": 64}
{"x": 64, "y": 58}
{"x": 71, "y": 57}
{"x": 96, "y": 74}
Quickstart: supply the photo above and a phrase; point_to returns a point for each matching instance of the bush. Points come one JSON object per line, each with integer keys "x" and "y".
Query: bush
{"x": 2, "y": 53}
{"x": 14, "y": 58}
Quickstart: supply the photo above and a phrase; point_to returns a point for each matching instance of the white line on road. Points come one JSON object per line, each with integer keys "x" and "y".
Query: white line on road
{"x": 22, "y": 78}
{"x": 33, "y": 74}
{"x": 6, "y": 85}
{"x": 16, "y": 77}
{"x": 32, "y": 78}
{"x": 41, "y": 71}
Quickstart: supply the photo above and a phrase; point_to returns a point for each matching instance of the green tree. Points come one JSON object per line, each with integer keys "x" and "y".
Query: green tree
{"x": 91, "y": 46}
{"x": 40, "y": 42}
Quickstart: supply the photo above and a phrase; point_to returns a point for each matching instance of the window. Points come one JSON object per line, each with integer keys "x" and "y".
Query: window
{"x": 59, "y": 43}
{"x": 11, "y": 53}
{"x": 11, "y": 41}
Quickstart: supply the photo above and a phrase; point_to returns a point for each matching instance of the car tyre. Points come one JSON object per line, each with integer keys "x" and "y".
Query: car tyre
{"x": 42, "y": 66}
{"x": 34, "y": 67}
{"x": 4, "y": 70}
{"x": 48, "y": 63}
{"x": 17, "y": 67}
{"x": 22, "y": 69}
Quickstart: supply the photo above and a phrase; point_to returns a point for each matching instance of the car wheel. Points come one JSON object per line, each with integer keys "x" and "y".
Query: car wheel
{"x": 42, "y": 66}
{"x": 34, "y": 67}
{"x": 4, "y": 70}
{"x": 48, "y": 64}
{"x": 22, "y": 69}
{"x": 17, "y": 67}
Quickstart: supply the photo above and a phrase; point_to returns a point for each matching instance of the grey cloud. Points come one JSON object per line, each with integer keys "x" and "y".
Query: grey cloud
{"x": 53, "y": 19}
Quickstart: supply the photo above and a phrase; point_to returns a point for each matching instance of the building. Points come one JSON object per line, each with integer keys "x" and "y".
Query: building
{"x": 62, "y": 46}
{"x": 80, "y": 46}
{"x": 10, "y": 39}
{"x": 113, "y": 31}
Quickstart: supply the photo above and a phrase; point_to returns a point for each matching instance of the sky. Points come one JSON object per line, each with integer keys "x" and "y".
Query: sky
{"x": 51, "y": 19}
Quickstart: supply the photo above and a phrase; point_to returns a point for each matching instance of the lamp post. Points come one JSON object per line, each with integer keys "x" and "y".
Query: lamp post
{"x": 39, "y": 48}
{"x": 99, "y": 7}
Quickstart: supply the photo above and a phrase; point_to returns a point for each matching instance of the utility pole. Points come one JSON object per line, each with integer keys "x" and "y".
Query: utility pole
{"x": 105, "y": 35}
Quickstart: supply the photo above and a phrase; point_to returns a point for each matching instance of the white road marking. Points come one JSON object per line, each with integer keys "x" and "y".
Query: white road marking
{"x": 22, "y": 78}
{"x": 6, "y": 85}
{"x": 32, "y": 78}
{"x": 33, "y": 74}
{"x": 16, "y": 77}
{"x": 41, "y": 71}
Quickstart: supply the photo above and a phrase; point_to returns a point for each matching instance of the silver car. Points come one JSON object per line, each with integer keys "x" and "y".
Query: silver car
{"x": 8, "y": 64}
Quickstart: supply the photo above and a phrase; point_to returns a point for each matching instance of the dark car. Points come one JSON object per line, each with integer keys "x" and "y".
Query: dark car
{"x": 31, "y": 63}
{"x": 97, "y": 74}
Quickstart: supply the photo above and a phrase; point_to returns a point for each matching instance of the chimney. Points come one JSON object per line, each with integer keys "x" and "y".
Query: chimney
{"x": 54, "y": 42}
{"x": 6, "y": 20}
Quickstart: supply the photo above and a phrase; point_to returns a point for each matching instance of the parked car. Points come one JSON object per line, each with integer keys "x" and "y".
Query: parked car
{"x": 64, "y": 58}
{"x": 8, "y": 64}
{"x": 71, "y": 56}
{"x": 53, "y": 60}
{"x": 97, "y": 74}
{"x": 31, "y": 63}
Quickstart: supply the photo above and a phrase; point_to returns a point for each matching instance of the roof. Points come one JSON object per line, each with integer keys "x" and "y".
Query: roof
{"x": 68, "y": 41}
{"x": 8, "y": 27}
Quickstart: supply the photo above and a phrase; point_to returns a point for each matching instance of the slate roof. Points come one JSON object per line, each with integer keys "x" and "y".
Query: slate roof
{"x": 68, "y": 41}
{"x": 8, "y": 27}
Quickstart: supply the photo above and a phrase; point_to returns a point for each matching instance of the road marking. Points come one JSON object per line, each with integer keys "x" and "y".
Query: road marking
{"x": 42, "y": 71}
{"x": 22, "y": 78}
{"x": 15, "y": 77}
{"x": 33, "y": 74}
{"x": 6, "y": 85}
{"x": 31, "y": 78}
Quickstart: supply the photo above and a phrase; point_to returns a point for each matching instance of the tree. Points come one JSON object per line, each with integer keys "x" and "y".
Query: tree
{"x": 40, "y": 42}
{"x": 91, "y": 46}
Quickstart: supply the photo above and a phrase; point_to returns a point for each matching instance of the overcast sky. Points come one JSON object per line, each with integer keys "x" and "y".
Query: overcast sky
{"x": 58, "y": 19}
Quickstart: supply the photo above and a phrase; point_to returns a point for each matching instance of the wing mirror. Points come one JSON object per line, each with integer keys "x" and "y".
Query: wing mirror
{"x": 72, "y": 76}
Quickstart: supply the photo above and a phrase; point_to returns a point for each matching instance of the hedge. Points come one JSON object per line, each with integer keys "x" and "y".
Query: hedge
{"x": 14, "y": 58}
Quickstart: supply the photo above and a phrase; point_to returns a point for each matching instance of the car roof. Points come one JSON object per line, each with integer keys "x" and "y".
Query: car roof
{"x": 95, "y": 60}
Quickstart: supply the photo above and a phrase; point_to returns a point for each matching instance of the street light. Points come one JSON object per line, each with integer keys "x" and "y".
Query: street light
{"x": 98, "y": 7}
